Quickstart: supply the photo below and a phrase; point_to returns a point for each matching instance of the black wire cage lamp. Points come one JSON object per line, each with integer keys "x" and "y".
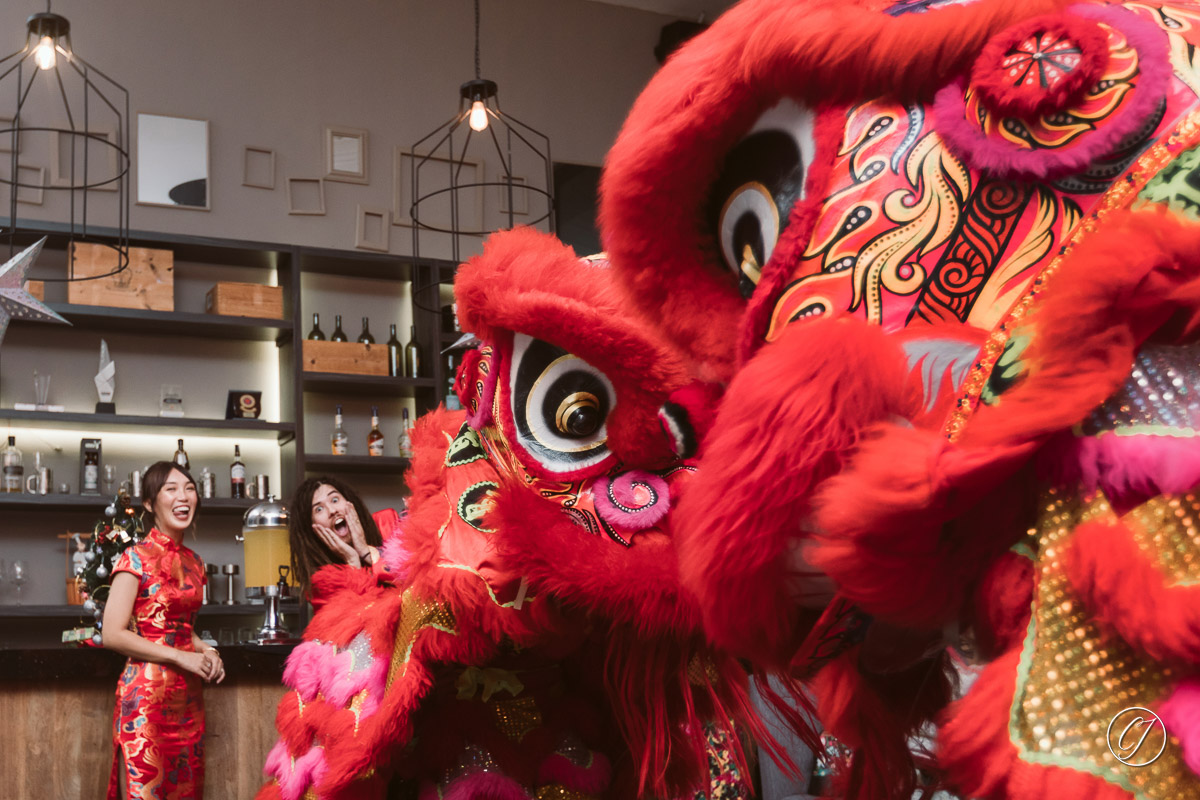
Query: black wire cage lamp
{"x": 54, "y": 104}
{"x": 446, "y": 189}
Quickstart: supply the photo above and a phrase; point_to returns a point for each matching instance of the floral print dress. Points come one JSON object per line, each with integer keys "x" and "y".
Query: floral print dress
{"x": 158, "y": 722}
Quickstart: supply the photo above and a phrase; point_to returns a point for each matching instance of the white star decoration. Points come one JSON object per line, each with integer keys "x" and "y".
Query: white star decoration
{"x": 15, "y": 302}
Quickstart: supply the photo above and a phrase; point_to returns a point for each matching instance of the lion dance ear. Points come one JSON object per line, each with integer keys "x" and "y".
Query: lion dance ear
{"x": 688, "y": 416}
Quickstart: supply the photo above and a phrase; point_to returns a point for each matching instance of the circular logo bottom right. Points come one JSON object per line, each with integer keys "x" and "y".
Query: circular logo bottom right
{"x": 1130, "y": 737}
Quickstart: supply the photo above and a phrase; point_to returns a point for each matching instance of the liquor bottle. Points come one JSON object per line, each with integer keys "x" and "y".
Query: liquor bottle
{"x": 406, "y": 450}
{"x": 412, "y": 355}
{"x": 374, "y": 438}
{"x": 91, "y": 473}
{"x": 338, "y": 335}
{"x": 395, "y": 355}
{"x": 316, "y": 334}
{"x": 452, "y": 401}
{"x": 181, "y": 458}
{"x": 339, "y": 440}
{"x": 237, "y": 474}
{"x": 365, "y": 337}
{"x": 14, "y": 468}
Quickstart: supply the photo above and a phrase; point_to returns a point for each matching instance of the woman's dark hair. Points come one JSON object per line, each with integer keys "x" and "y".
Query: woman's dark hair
{"x": 154, "y": 480}
{"x": 309, "y": 553}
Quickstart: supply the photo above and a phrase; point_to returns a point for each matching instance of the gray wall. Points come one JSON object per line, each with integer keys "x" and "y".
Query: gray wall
{"x": 273, "y": 74}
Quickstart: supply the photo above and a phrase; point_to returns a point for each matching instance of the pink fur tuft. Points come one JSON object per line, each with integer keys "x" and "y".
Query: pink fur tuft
{"x": 295, "y": 776}
{"x": 1181, "y": 716}
{"x": 633, "y": 500}
{"x": 592, "y": 780}
{"x": 1128, "y": 469}
{"x": 485, "y": 786}
{"x": 303, "y": 669}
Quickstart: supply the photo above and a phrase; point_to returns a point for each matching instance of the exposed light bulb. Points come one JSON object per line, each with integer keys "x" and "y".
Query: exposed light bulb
{"x": 43, "y": 54}
{"x": 479, "y": 117}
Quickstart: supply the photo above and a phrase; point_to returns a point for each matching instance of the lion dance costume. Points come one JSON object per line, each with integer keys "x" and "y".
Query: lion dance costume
{"x": 900, "y": 337}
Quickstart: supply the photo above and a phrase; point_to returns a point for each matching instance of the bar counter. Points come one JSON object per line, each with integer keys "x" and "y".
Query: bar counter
{"x": 56, "y": 709}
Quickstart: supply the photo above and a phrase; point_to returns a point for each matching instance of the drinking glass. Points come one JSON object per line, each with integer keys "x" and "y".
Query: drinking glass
{"x": 18, "y": 575}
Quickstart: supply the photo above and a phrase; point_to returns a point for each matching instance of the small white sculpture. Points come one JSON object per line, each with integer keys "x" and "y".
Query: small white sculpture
{"x": 106, "y": 378}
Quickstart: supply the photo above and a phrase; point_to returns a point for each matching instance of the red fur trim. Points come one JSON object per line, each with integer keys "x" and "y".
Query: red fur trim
{"x": 1181, "y": 716}
{"x": 657, "y": 175}
{"x": 992, "y": 79}
{"x": 1003, "y": 603}
{"x": 876, "y": 715}
{"x": 528, "y": 282}
{"x": 1123, "y": 588}
{"x": 269, "y": 791}
{"x": 485, "y": 786}
{"x": 786, "y": 423}
{"x": 688, "y": 416}
{"x": 592, "y": 779}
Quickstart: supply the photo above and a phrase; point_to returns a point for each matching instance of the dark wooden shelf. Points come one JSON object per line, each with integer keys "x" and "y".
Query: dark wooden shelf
{"x": 383, "y": 465}
{"x": 249, "y": 428}
{"x": 174, "y": 323}
{"x": 77, "y": 612}
{"x": 335, "y": 383}
{"x": 77, "y": 502}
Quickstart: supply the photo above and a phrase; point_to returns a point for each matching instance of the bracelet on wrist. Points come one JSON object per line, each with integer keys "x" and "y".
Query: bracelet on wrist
{"x": 366, "y": 558}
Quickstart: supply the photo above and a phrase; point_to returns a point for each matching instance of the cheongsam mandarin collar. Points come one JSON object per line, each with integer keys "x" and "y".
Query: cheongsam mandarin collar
{"x": 163, "y": 539}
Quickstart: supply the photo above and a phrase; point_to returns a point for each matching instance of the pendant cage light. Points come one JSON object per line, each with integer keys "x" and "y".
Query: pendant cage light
{"x": 55, "y": 107}
{"x": 451, "y": 199}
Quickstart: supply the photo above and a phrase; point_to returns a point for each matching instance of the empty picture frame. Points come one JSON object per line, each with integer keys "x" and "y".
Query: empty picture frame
{"x": 436, "y": 210}
{"x": 520, "y": 195}
{"x": 102, "y": 167}
{"x": 258, "y": 168}
{"x": 346, "y": 155}
{"x": 306, "y": 196}
{"x": 31, "y": 182}
{"x": 371, "y": 230}
{"x": 172, "y": 162}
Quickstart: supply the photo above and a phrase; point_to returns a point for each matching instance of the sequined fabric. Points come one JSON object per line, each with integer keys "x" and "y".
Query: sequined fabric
{"x": 1075, "y": 678}
{"x": 416, "y": 614}
{"x": 1161, "y": 395}
{"x": 1166, "y": 529}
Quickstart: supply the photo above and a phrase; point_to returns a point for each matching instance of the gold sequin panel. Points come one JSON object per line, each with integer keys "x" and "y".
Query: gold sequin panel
{"x": 1166, "y": 530}
{"x": 416, "y": 614}
{"x": 1075, "y": 678}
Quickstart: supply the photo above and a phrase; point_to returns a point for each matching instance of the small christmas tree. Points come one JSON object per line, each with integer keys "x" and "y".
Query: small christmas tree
{"x": 120, "y": 528}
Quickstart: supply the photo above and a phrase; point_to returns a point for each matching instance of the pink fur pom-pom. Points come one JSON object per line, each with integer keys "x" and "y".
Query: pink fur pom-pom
{"x": 303, "y": 670}
{"x": 295, "y": 776}
{"x": 485, "y": 786}
{"x": 592, "y": 779}
{"x": 1181, "y": 716}
{"x": 633, "y": 500}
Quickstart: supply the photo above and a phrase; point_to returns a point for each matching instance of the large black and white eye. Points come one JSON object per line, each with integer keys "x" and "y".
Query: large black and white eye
{"x": 761, "y": 180}
{"x": 560, "y": 404}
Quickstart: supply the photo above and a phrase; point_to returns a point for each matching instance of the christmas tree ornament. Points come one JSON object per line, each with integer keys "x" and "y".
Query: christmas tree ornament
{"x": 97, "y": 640}
{"x": 15, "y": 302}
{"x": 89, "y": 605}
{"x": 110, "y": 510}
{"x": 101, "y": 571}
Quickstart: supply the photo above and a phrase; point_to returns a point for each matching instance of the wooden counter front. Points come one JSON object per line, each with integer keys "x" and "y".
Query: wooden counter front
{"x": 56, "y": 707}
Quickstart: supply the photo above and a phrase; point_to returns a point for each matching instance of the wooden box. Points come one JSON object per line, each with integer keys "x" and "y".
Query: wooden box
{"x": 37, "y": 289}
{"x": 147, "y": 283}
{"x": 350, "y": 358}
{"x": 245, "y": 300}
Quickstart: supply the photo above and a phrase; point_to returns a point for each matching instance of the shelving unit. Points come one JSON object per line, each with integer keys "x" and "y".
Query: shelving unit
{"x": 76, "y": 502}
{"x": 65, "y": 612}
{"x": 127, "y": 423}
{"x": 380, "y": 465}
{"x": 209, "y": 326}
{"x": 381, "y": 385}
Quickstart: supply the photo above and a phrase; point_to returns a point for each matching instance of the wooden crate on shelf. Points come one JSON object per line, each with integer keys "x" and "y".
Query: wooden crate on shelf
{"x": 147, "y": 283}
{"x": 37, "y": 289}
{"x": 245, "y": 300}
{"x": 347, "y": 358}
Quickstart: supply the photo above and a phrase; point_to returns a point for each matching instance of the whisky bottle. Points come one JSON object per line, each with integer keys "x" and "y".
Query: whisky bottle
{"x": 338, "y": 334}
{"x": 374, "y": 438}
{"x": 14, "y": 468}
{"x": 316, "y": 334}
{"x": 405, "y": 439}
{"x": 91, "y": 473}
{"x": 412, "y": 355}
{"x": 395, "y": 355}
{"x": 339, "y": 440}
{"x": 181, "y": 457}
{"x": 237, "y": 474}
{"x": 365, "y": 337}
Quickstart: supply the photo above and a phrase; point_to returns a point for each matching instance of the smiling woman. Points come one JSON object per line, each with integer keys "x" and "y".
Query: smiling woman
{"x": 330, "y": 524}
{"x": 157, "y": 585}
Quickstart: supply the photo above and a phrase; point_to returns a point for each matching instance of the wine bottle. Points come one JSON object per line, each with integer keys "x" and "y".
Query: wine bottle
{"x": 374, "y": 438}
{"x": 14, "y": 468}
{"x": 237, "y": 474}
{"x": 452, "y": 401}
{"x": 91, "y": 472}
{"x": 405, "y": 439}
{"x": 365, "y": 337}
{"x": 181, "y": 457}
{"x": 316, "y": 334}
{"x": 395, "y": 355}
{"x": 412, "y": 355}
{"x": 339, "y": 440}
{"x": 338, "y": 334}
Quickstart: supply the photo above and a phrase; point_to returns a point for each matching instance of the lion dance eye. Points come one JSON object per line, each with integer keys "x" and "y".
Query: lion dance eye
{"x": 560, "y": 404}
{"x": 760, "y": 181}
